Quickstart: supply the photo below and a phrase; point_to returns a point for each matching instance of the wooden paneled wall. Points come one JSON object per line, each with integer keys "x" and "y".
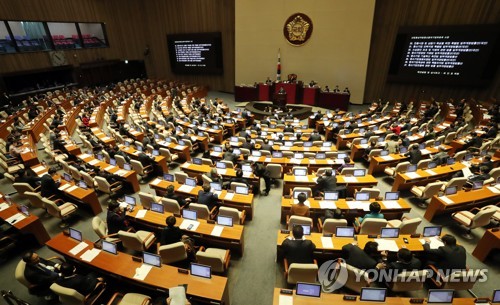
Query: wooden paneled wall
{"x": 391, "y": 14}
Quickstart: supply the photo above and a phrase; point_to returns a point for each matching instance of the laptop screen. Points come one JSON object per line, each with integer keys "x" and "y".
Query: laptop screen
{"x": 233, "y": 139}
{"x": 67, "y": 177}
{"x": 306, "y": 228}
{"x": 181, "y": 142}
{"x": 157, "y": 207}
{"x": 389, "y": 232}
{"x": 241, "y": 190}
{"x": 331, "y": 195}
{"x": 220, "y": 165}
{"x": 109, "y": 247}
{"x": 139, "y": 148}
{"x": 189, "y": 214}
{"x": 288, "y": 143}
{"x": 308, "y": 144}
{"x": 237, "y": 151}
{"x": 440, "y": 296}
{"x": 362, "y": 196}
{"x": 127, "y": 143}
{"x": 246, "y": 168}
{"x": 384, "y": 153}
{"x": 256, "y": 153}
{"x": 344, "y": 231}
{"x": 403, "y": 149}
{"x": 216, "y": 186}
{"x": 421, "y": 146}
{"x": 191, "y": 182}
{"x": 437, "y": 143}
{"x": 24, "y": 210}
{"x": 373, "y": 294}
{"x": 391, "y": 195}
{"x": 432, "y": 231}
{"x": 496, "y": 296}
{"x": 309, "y": 290}
{"x": 327, "y": 144}
{"x": 197, "y": 161}
{"x": 298, "y": 156}
{"x": 127, "y": 167}
{"x": 296, "y": 194}
{"x": 300, "y": 172}
{"x": 82, "y": 184}
{"x": 359, "y": 172}
{"x": 363, "y": 141}
{"x": 168, "y": 177}
{"x": 112, "y": 161}
{"x": 432, "y": 165}
{"x": 129, "y": 200}
{"x": 157, "y": 136}
{"x": 320, "y": 156}
{"x": 476, "y": 185}
{"x": 75, "y": 234}
{"x": 100, "y": 157}
{"x": 277, "y": 154}
{"x": 450, "y": 161}
{"x": 218, "y": 148}
{"x": 468, "y": 157}
{"x": 341, "y": 155}
{"x": 411, "y": 168}
{"x": 201, "y": 270}
{"x": 151, "y": 259}
{"x": 225, "y": 221}
{"x": 452, "y": 190}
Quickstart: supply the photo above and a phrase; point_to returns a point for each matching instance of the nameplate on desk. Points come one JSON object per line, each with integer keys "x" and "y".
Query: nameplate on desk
{"x": 108, "y": 168}
{"x": 326, "y": 204}
{"x": 391, "y": 204}
{"x": 183, "y": 271}
{"x": 412, "y": 175}
{"x": 327, "y": 242}
{"x": 94, "y": 162}
{"x": 15, "y": 218}
{"x": 63, "y": 187}
{"x": 350, "y": 179}
{"x": 446, "y": 200}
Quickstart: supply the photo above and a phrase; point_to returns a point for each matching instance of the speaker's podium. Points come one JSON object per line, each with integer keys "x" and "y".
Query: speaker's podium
{"x": 280, "y": 99}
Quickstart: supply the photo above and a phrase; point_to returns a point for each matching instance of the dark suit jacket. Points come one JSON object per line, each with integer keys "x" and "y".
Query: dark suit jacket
{"x": 84, "y": 284}
{"x": 179, "y": 199}
{"x": 315, "y": 137}
{"x": 298, "y": 251}
{"x": 116, "y": 222}
{"x": 209, "y": 199}
{"x": 326, "y": 183}
{"x": 400, "y": 266}
{"x": 145, "y": 159}
{"x": 33, "y": 181}
{"x": 49, "y": 186}
{"x": 38, "y": 275}
{"x": 266, "y": 147}
{"x": 447, "y": 257}
{"x": 415, "y": 156}
{"x": 356, "y": 257}
{"x": 170, "y": 235}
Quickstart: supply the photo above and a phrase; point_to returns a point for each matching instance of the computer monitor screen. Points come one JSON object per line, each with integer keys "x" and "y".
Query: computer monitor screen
{"x": 109, "y": 247}
{"x": 216, "y": 186}
{"x": 384, "y": 153}
{"x": 411, "y": 168}
{"x": 200, "y": 134}
{"x": 151, "y": 259}
{"x": 191, "y": 182}
{"x": 168, "y": 177}
{"x": 373, "y": 294}
{"x": 82, "y": 184}
{"x": 201, "y": 270}
{"x": 391, "y": 195}
{"x": 156, "y": 152}
{"x": 220, "y": 165}
{"x": 168, "y": 140}
{"x": 437, "y": 143}
{"x": 363, "y": 141}
{"x": 440, "y": 296}
{"x": 112, "y": 161}
{"x": 389, "y": 232}
{"x": 288, "y": 143}
{"x": 157, "y": 136}
{"x": 308, "y": 144}
{"x": 321, "y": 156}
{"x": 296, "y": 194}
{"x": 243, "y": 190}
{"x": 344, "y": 231}
{"x": 300, "y": 172}
{"x": 100, "y": 157}
{"x": 341, "y": 155}
{"x": 225, "y": 221}
{"x": 327, "y": 144}
{"x": 25, "y": 210}
{"x": 256, "y": 153}
{"x": 403, "y": 149}
{"x": 246, "y": 168}
{"x": 298, "y": 156}
{"x": 380, "y": 140}
{"x": 496, "y": 296}
{"x": 477, "y": 185}
{"x": 127, "y": 167}
{"x": 130, "y": 200}
{"x": 233, "y": 139}
{"x": 362, "y": 130}
{"x": 138, "y": 147}
{"x": 157, "y": 207}
{"x": 331, "y": 195}
{"x": 421, "y": 146}
{"x": 277, "y": 154}
{"x": 362, "y": 196}
{"x": 432, "y": 165}
{"x": 359, "y": 172}
{"x": 309, "y": 290}
{"x": 67, "y": 177}
{"x": 432, "y": 231}
{"x": 218, "y": 148}
{"x": 197, "y": 161}
{"x": 468, "y": 157}
{"x": 181, "y": 142}
{"x": 306, "y": 229}
{"x": 75, "y": 234}
{"x": 126, "y": 143}
{"x": 237, "y": 151}
{"x": 450, "y": 161}
{"x": 189, "y": 214}
{"x": 451, "y": 190}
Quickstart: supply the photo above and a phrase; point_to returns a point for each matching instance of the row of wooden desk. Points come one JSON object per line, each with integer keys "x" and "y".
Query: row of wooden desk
{"x": 352, "y": 183}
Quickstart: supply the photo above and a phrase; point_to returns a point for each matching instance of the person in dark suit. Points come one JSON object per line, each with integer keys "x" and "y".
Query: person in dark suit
{"x": 492, "y": 131}
{"x": 84, "y": 284}
{"x": 115, "y": 218}
{"x": 261, "y": 171}
{"x": 405, "y": 141}
{"x": 366, "y": 259}
{"x": 22, "y": 177}
{"x": 315, "y": 136}
{"x": 405, "y": 261}
{"x": 441, "y": 156}
{"x": 448, "y": 257}
{"x": 476, "y": 141}
{"x": 239, "y": 178}
{"x": 40, "y": 272}
{"x": 486, "y": 162}
{"x": 230, "y": 156}
{"x": 170, "y": 194}
{"x": 288, "y": 128}
{"x": 328, "y": 182}
{"x": 207, "y": 198}
{"x": 171, "y": 233}
{"x": 482, "y": 176}
{"x": 414, "y": 154}
{"x": 266, "y": 146}
{"x": 296, "y": 249}
{"x": 49, "y": 186}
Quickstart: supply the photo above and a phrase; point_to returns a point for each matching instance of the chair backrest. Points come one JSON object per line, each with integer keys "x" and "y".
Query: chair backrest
{"x": 212, "y": 259}
{"x": 275, "y": 170}
{"x": 75, "y": 173}
{"x": 459, "y": 156}
{"x": 166, "y": 153}
{"x": 449, "y": 137}
{"x": 35, "y": 199}
{"x": 402, "y": 167}
{"x": 230, "y": 212}
{"x": 372, "y": 225}
{"x": 172, "y": 253}
{"x": 205, "y": 179}
{"x": 207, "y": 161}
{"x": 201, "y": 210}
{"x": 299, "y": 220}
{"x": 137, "y": 167}
{"x": 120, "y": 160}
{"x": 348, "y": 171}
{"x": 67, "y": 295}
{"x": 458, "y": 182}
{"x": 432, "y": 189}
{"x": 306, "y": 190}
{"x": 88, "y": 179}
{"x": 180, "y": 177}
{"x": 22, "y": 187}
{"x": 423, "y": 163}
{"x": 409, "y": 226}
{"x": 482, "y": 218}
{"x": 356, "y": 278}
{"x": 19, "y": 274}
{"x": 460, "y": 280}
{"x": 102, "y": 184}
{"x": 302, "y": 273}
{"x": 374, "y": 192}
{"x": 131, "y": 240}
{"x": 330, "y": 225}
{"x": 99, "y": 226}
{"x": 171, "y": 205}
{"x": 233, "y": 185}
{"x": 52, "y": 208}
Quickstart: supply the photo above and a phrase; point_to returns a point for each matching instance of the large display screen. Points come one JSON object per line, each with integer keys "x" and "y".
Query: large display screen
{"x": 195, "y": 53}
{"x": 449, "y": 55}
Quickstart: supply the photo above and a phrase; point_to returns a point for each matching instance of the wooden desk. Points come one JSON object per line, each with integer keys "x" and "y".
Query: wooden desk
{"x": 122, "y": 268}
{"x": 195, "y": 170}
{"x": 314, "y": 149}
{"x": 30, "y": 225}
{"x": 462, "y": 201}
{"x": 312, "y": 164}
{"x": 403, "y": 182}
{"x": 215, "y": 133}
{"x": 133, "y": 153}
{"x": 290, "y": 181}
{"x": 230, "y": 238}
{"x": 181, "y": 150}
{"x": 489, "y": 241}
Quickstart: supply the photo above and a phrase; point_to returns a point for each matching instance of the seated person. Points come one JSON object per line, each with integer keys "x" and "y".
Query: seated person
{"x": 335, "y": 214}
{"x": 392, "y": 145}
{"x": 50, "y": 187}
{"x": 405, "y": 261}
{"x": 300, "y": 209}
{"x": 22, "y": 177}
{"x": 486, "y": 162}
{"x": 216, "y": 177}
{"x": 441, "y": 156}
{"x": 115, "y": 218}
{"x": 328, "y": 182}
{"x": 208, "y": 198}
{"x": 171, "y": 195}
{"x": 171, "y": 233}
{"x": 366, "y": 259}
{"x": 347, "y": 163}
{"x": 297, "y": 249}
{"x": 482, "y": 176}
{"x": 374, "y": 213}
{"x": 40, "y": 272}
{"x": 414, "y": 154}
{"x": 239, "y": 178}
{"x": 84, "y": 284}
{"x": 448, "y": 257}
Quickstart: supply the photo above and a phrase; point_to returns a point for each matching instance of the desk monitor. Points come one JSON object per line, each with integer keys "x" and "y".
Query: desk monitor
{"x": 362, "y": 196}
{"x": 126, "y": 143}
{"x": 331, "y": 195}
{"x": 256, "y": 153}
{"x": 200, "y": 134}
{"x": 389, "y": 232}
{"x": 296, "y": 194}
{"x": 391, "y": 196}
{"x": 246, "y": 168}
{"x": 225, "y": 221}
{"x": 359, "y": 172}
{"x": 300, "y": 172}
{"x": 403, "y": 149}
{"x": 344, "y": 231}
{"x": 380, "y": 140}
{"x": 112, "y": 161}
{"x": 496, "y": 296}
{"x": 243, "y": 190}
{"x": 189, "y": 214}
{"x": 308, "y": 290}
{"x": 375, "y": 128}
{"x": 440, "y": 296}
{"x": 237, "y": 151}
{"x": 411, "y": 168}
{"x": 155, "y": 152}
{"x": 151, "y": 259}
{"x": 82, "y": 184}
{"x": 100, "y": 157}
{"x": 306, "y": 229}
{"x": 288, "y": 143}
{"x": 216, "y": 186}
{"x": 67, "y": 177}
{"x": 263, "y": 134}
{"x": 156, "y": 136}
{"x": 168, "y": 140}
{"x": 363, "y": 141}
{"x": 341, "y": 155}
{"x": 451, "y": 190}
{"x": 127, "y": 167}
{"x": 157, "y": 207}
{"x": 335, "y": 125}
{"x": 468, "y": 157}
{"x": 181, "y": 142}
{"x": 477, "y": 185}
{"x": 272, "y": 126}
{"x": 321, "y": 156}
{"x": 373, "y": 294}
{"x": 437, "y": 143}
{"x": 24, "y": 210}
{"x": 201, "y": 270}
{"x": 298, "y": 156}
{"x": 138, "y": 147}
{"x": 421, "y": 146}
{"x": 308, "y": 144}
{"x": 233, "y": 139}
{"x": 220, "y": 165}
{"x": 384, "y": 153}
{"x": 362, "y": 130}
{"x": 450, "y": 161}
{"x": 327, "y": 144}
{"x": 432, "y": 231}
{"x": 277, "y": 154}
{"x": 75, "y": 234}
{"x": 217, "y": 148}
{"x": 191, "y": 182}
{"x": 130, "y": 200}
{"x": 109, "y": 247}
{"x": 197, "y": 161}
{"x": 168, "y": 177}
{"x": 432, "y": 165}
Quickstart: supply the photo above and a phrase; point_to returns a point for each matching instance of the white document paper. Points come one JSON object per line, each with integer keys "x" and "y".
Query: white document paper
{"x": 322, "y": 148}
{"x": 63, "y": 187}
{"x": 89, "y": 255}
{"x": 94, "y": 162}
{"x": 84, "y": 156}
{"x": 38, "y": 168}
{"x": 142, "y": 272}
{"x": 326, "y": 204}
{"x": 108, "y": 168}
{"x": 121, "y": 172}
{"x": 425, "y": 151}
{"x": 15, "y": 218}
{"x": 446, "y": 200}
{"x": 327, "y": 242}
{"x": 301, "y": 178}
{"x": 217, "y": 231}
{"x": 392, "y": 204}
{"x": 252, "y": 158}
{"x": 186, "y": 222}
{"x": 386, "y": 158}
{"x": 312, "y": 161}
{"x": 267, "y": 159}
{"x": 156, "y": 181}
{"x": 295, "y": 161}
{"x": 387, "y": 245}
{"x": 185, "y": 188}
{"x": 435, "y": 242}
{"x": 71, "y": 188}
{"x": 141, "y": 214}
{"x": 179, "y": 147}
{"x": 247, "y": 174}
{"x": 3, "y": 206}
{"x": 494, "y": 189}
{"x": 221, "y": 171}
{"x": 285, "y": 299}
{"x": 430, "y": 172}
{"x": 350, "y": 179}
{"x": 229, "y": 196}
{"x": 78, "y": 248}
{"x": 412, "y": 175}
